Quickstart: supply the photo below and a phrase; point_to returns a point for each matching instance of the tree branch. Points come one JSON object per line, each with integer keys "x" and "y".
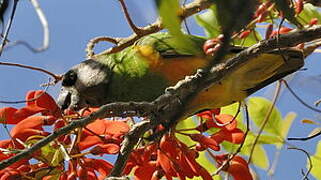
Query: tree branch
{"x": 128, "y": 144}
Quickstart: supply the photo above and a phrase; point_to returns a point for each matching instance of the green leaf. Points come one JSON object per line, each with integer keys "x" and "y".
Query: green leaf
{"x": 308, "y": 13}
{"x": 57, "y": 158}
{"x": 229, "y": 147}
{"x": 208, "y": 20}
{"x": 266, "y": 139}
{"x": 258, "y": 108}
{"x": 169, "y": 11}
{"x": 316, "y": 162}
{"x": 186, "y": 124}
{"x": 286, "y": 125}
{"x": 259, "y": 158}
{"x": 49, "y": 153}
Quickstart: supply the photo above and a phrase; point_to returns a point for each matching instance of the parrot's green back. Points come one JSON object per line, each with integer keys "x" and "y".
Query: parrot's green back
{"x": 133, "y": 77}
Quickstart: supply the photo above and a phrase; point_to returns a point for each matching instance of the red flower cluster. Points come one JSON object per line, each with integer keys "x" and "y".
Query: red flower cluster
{"x": 171, "y": 158}
{"x": 85, "y": 168}
{"x": 228, "y": 130}
{"x": 102, "y": 137}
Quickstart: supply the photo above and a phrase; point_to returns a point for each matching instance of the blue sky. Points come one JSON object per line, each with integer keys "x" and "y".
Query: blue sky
{"x": 73, "y": 23}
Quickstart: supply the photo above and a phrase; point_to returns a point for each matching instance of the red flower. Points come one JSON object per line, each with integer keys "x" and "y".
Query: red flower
{"x": 37, "y": 102}
{"x": 101, "y": 166}
{"x": 223, "y": 121}
{"x": 209, "y": 113}
{"x": 237, "y": 167}
{"x": 103, "y": 131}
{"x": 283, "y": 30}
{"x": 205, "y": 141}
{"x": 236, "y": 136}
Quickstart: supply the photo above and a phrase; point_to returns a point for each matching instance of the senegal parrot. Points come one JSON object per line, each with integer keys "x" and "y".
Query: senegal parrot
{"x": 144, "y": 70}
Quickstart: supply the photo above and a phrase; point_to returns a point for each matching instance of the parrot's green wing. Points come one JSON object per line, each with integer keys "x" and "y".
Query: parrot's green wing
{"x": 164, "y": 44}
{"x": 134, "y": 76}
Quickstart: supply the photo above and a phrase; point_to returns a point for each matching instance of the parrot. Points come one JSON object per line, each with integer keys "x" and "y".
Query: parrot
{"x": 142, "y": 72}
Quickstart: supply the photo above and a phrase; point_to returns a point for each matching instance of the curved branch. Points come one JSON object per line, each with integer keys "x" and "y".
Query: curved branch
{"x": 310, "y": 162}
{"x": 56, "y": 77}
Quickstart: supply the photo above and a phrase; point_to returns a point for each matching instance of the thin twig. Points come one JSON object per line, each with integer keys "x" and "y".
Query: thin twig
{"x": 317, "y": 103}
{"x": 55, "y": 76}
{"x": 6, "y": 32}
{"x": 278, "y": 35}
{"x": 92, "y": 43}
{"x": 266, "y": 119}
{"x": 304, "y": 138}
{"x": 310, "y": 161}
{"x": 299, "y": 99}
{"x": 132, "y": 25}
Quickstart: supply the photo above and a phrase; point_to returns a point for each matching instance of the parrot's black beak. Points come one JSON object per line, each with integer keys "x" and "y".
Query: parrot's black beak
{"x": 64, "y": 99}
{"x": 70, "y": 98}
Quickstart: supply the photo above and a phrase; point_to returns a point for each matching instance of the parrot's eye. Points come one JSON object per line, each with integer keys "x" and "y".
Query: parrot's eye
{"x": 69, "y": 78}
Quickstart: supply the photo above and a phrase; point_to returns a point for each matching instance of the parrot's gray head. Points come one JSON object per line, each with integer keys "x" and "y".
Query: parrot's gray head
{"x": 85, "y": 84}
